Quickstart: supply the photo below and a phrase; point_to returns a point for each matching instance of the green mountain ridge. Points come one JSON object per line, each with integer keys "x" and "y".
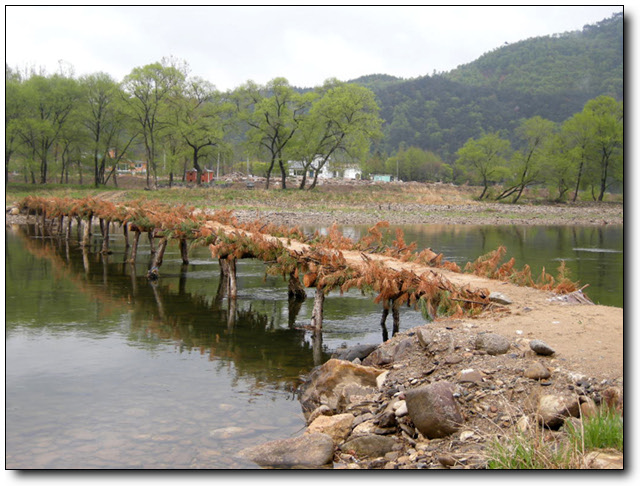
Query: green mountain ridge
{"x": 550, "y": 76}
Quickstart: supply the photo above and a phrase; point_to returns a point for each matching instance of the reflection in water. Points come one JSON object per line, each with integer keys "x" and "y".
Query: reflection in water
{"x": 223, "y": 327}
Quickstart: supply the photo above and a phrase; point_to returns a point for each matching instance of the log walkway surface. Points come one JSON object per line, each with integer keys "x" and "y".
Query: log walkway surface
{"x": 392, "y": 271}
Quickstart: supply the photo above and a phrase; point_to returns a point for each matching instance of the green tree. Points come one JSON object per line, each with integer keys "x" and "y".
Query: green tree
{"x": 527, "y": 164}
{"x": 148, "y": 91}
{"x": 607, "y": 114}
{"x": 109, "y": 135}
{"x": 484, "y": 159}
{"x": 15, "y": 110}
{"x": 273, "y": 114}
{"x": 415, "y": 164}
{"x": 201, "y": 113}
{"x": 577, "y": 139}
{"x": 342, "y": 121}
{"x": 50, "y": 101}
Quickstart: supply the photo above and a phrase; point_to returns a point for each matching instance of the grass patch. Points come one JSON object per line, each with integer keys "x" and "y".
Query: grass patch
{"x": 604, "y": 430}
{"x": 538, "y": 449}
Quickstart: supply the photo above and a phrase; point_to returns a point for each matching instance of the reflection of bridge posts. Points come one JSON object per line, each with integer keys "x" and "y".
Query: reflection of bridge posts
{"x": 85, "y": 259}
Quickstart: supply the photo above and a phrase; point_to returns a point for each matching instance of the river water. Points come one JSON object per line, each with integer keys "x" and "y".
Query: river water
{"x": 105, "y": 369}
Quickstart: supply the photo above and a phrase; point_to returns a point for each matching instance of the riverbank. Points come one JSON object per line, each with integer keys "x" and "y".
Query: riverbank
{"x": 348, "y": 203}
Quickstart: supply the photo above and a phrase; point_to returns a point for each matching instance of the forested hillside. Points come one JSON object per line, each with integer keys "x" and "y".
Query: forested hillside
{"x": 551, "y": 77}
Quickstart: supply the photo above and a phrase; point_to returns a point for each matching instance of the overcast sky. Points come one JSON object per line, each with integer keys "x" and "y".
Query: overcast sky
{"x": 307, "y": 45}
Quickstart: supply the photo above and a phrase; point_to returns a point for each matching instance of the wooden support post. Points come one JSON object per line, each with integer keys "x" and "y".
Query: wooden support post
{"x": 150, "y": 235}
{"x": 383, "y": 321}
{"x": 317, "y": 347}
{"x": 317, "y": 315}
{"x": 233, "y": 280}
{"x": 184, "y": 251}
{"x": 105, "y": 235}
{"x": 223, "y": 286}
{"x": 395, "y": 310}
{"x": 79, "y": 227}
{"x": 296, "y": 290}
{"x": 229, "y": 277}
{"x": 86, "y": 234}
{"x": 125, "y": 230}
{"x": 134, "y": 248}
{"x": 159, "y": 255}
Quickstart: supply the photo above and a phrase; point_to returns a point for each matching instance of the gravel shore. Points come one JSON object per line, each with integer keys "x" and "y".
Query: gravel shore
{"x": 469, "y": 214}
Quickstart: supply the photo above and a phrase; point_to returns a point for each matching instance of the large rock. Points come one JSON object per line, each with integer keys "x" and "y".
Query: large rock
{"x": 552, "y": 410}
{"x": 336, "y": 426}
{"x": 433, "y": 409}
{"x": 493, "y": 344}
{"x": 360, "y": 351}
{"x": 308, "y": 450}
{"x": 370, "y": 446}
{"x": 335, "y": 382}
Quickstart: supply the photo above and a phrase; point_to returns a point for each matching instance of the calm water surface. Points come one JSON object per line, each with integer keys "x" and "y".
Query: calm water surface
{"x": 107, "y": 370}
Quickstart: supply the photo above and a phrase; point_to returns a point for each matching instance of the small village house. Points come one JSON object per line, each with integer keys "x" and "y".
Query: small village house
{"x": 207, "y": 176}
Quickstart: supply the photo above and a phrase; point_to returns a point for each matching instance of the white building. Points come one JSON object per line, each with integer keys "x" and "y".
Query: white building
{"x": 351, "y": 172}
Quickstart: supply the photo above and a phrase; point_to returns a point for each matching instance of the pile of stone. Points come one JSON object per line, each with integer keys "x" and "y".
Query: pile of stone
{"x": 431, "y": 398}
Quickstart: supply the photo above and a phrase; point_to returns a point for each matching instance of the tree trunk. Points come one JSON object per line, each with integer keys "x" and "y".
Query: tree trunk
{"x": 284, "y": 174}
{"x": 575, "y": 194}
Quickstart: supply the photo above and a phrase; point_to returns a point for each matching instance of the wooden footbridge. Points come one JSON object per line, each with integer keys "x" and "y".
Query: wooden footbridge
{"x": 389, "y": 269}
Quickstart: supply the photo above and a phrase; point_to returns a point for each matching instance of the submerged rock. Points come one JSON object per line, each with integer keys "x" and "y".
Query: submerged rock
{"x": 371, "y": 445}
{"x": 308, "y": 450}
